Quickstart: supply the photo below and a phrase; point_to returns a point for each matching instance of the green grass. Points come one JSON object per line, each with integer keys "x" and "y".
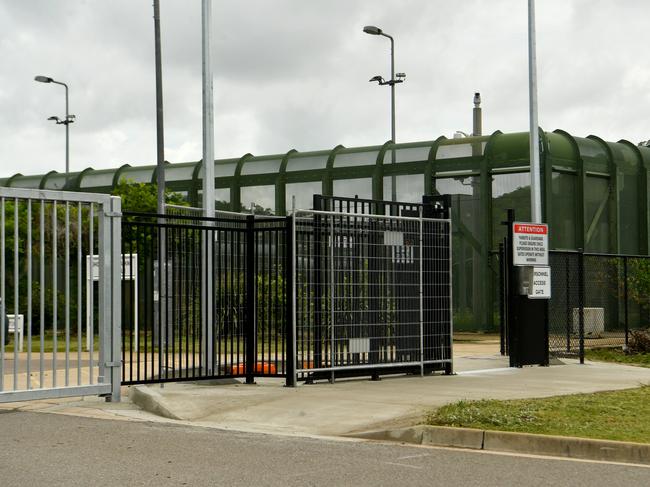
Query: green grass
{"x": 618, "y": 415}
{"x": 617, "y": 355}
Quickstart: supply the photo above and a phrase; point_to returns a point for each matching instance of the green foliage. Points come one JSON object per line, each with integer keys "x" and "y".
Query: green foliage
{"x": 606, "y": 415}
{"x": 617, "y": 355}
{"x": 638, "y": 282}
{"x": 143, "y": 197}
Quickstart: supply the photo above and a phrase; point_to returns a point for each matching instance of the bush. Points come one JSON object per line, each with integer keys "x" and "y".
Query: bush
{"x": 639, "y": 341}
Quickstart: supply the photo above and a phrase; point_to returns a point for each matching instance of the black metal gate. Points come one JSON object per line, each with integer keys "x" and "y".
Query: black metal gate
{"x": 373, "y": 287}
{"x": 167, "y": 276}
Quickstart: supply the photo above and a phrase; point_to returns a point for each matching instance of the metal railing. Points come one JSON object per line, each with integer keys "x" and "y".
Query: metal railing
{"x": 55, "y": 246}
{"x": 372, "y": 293}
{"x": 167, "y": 336}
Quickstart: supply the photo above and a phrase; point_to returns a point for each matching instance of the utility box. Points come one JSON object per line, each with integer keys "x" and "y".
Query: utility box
{"x": 594, "y": 321}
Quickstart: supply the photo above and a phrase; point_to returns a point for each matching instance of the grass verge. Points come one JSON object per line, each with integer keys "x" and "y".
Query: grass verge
{"x": 617, "y": 415}
{"x": 617, "y": 355}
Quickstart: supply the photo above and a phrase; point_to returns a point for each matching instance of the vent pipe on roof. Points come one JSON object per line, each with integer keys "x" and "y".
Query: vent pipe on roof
{"x": 477, "y": 126}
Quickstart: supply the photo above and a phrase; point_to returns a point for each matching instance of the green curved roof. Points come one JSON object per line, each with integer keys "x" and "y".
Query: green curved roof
{"x": 503, "y": 151}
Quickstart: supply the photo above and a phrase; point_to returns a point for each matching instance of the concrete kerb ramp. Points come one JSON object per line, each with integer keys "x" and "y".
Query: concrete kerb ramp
{"x": 355, "y": 406}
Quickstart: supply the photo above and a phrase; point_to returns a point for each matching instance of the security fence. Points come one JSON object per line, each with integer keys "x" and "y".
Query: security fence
{"x": 59, "y": 294}
{"x": 372, "y": 293}
{"x": 216, "y": 307}
{"x": 597, "y": 300}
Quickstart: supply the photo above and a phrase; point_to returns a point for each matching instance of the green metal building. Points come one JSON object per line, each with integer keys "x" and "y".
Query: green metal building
{"x": 594, "y": 194}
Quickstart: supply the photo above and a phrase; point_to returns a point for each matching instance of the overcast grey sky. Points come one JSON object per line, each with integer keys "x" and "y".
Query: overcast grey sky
{"x": 294, "y": 74}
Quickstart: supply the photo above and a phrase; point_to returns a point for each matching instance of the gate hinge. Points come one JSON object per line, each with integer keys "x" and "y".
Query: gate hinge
{"x": 113, "y": 214}
{"x": 113, "y": 364}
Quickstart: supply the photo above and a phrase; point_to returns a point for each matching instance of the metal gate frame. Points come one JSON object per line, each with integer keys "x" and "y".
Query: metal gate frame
{"x": 244, "y": 331}
{"x": 317, "y": 233}
{"x": 107, "y": 210}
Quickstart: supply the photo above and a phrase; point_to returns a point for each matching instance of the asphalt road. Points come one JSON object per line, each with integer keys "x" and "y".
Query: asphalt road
{"x": 50, "y": 449}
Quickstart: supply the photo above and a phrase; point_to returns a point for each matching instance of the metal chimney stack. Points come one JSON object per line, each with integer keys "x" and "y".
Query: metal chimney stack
{"x": 477, "y": 127}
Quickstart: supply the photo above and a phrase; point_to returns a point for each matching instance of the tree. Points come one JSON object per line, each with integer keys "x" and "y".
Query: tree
{"x": 143, "y": 197}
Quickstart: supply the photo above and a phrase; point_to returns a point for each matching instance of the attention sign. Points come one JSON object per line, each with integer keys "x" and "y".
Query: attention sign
{"x": 530, "y": 244}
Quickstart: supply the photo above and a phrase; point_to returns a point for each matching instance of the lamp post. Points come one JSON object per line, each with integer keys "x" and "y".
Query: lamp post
{"x": 376, "y": 31}
{"x": 67, "y": 121}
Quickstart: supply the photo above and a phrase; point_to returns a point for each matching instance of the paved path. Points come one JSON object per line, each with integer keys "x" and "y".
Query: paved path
{"x": 54, "y": 450}
{"x": 360, "y": 405}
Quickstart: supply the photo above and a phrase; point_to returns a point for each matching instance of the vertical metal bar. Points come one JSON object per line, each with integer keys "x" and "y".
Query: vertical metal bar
{"x": 292, "y": 341}
{"x": 66, "y": 273}
{"x": 29, "y": 293}
{"x": 91, "y": 292}
{"x": 625, "y": 297}
{"x": 79, "y": 289}
{"x": 251, "y": 318}
{"x": 103, "y": 311}
{"x": 451, "y": 295}
{"x": 16, "y": 290}
{"x": 115, "y": 323}
{"x": 3, "y": 295}
{"x": 581, "y": 304}
{"x": 55, "y": 291}
{"x": 41, "y": 301}
{"x": 421, "y": 270}
{"x": 332, "y": 304}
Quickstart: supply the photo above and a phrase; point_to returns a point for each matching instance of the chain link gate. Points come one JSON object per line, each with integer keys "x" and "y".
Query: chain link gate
{"x": 373, "y": 291}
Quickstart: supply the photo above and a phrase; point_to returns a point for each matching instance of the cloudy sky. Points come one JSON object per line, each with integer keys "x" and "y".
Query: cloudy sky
{"x": 294, "y": 74}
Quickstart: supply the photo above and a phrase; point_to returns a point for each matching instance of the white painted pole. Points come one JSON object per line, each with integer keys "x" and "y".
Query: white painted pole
{"x": 535, "y": 186}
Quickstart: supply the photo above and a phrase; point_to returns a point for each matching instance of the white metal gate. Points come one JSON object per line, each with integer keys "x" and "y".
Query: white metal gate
{"x": 71, "y": 325}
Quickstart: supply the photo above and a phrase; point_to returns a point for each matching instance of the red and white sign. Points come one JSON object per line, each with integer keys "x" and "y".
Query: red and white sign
{"x": 530, "y": 244}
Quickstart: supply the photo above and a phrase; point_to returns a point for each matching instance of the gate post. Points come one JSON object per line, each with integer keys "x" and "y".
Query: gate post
{"x": 116, "y": 299}
{"x": 251, "y": 298}
{"x": 290, "y": 300}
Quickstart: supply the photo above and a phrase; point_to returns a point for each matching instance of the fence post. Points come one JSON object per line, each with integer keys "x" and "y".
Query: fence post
{"x": 502, "y": 321}
{"x": 581, "y": 304}
{"x": 116, "y": 298}
{"x": 290, "y": 297}
{"x": 625, "y": 297}
{"x": 251, "y": 297}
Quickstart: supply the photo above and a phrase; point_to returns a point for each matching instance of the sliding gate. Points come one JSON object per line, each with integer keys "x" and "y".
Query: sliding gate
{"x": 373, "y": 291}
{"x": 208, "y": 298}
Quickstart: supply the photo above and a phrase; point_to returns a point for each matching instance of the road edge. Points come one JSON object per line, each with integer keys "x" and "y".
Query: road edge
{"x": 505, "y": 441}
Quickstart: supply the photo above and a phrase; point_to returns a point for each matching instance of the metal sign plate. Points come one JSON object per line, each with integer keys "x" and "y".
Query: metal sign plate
{"x": 530, "y": 244}
{"x": 540, "y": 283}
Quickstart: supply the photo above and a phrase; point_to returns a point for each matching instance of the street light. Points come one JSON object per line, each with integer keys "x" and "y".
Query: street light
{"x": 66, "y": 121}
{"x": 376, "y": 31}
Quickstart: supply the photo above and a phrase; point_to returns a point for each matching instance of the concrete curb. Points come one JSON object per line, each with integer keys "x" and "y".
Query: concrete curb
{"x": 503, "y": 441}
{"x": 151, "y": 401}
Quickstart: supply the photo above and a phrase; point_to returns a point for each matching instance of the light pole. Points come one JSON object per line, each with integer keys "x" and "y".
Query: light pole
{"x": 376, "y": 31}
{"x": 67, "y": 121}
{"x": 535, "y": 183}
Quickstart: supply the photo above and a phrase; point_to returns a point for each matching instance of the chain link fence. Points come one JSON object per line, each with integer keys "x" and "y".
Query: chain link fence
{"x": 597, "y": 301}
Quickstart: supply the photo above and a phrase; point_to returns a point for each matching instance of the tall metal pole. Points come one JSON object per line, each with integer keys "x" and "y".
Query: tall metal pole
{"x": 208, "y": 117}
{"x": 160, "y": 137}
{"x": 393, "y": 180}
{"x": 535, "y": 186}
{"x": 208, "y": 192}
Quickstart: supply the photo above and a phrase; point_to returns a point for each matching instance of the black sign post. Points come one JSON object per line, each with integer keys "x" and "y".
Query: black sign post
{"x": 526, "y": 317}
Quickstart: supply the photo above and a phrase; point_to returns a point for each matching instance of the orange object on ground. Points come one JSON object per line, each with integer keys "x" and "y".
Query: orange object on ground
{"x": 260, "y": 368}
